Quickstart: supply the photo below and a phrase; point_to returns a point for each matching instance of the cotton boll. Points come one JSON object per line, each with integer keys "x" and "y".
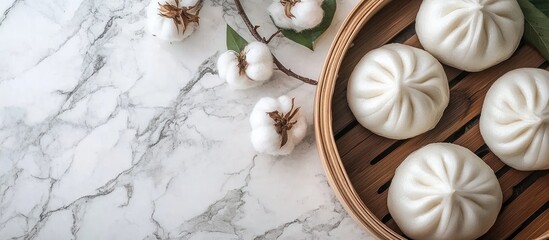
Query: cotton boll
{"x": 299, "y": 130}
{"x": 224, "y": 61}
{"x": 258, "y": 52}
{"x": 260, "y": 72}
{"x": 237, "y": 81}
{"x": 264, "y": 138}
{"x": 267, "y": 140}
{"x": 285, "y": 103}
{"x": 264, "y": 135}
{"x": 276, "y": 10}
{"x": 257, "y": 64}
{"x": 188, "y": 2}
{"x": 260, "y": 61}
{"x": 164, "y": 27}
{"x": 258, "y": 117}
{"x": 307, "y": 14}
{"x": 227, "y": 68}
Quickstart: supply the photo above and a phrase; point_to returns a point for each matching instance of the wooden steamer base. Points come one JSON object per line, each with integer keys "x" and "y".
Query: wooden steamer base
{"x": 360, "y": 164}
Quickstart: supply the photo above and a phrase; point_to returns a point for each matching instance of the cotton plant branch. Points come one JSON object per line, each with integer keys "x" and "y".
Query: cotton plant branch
{"x": 258, "y": 37}
{"x": 274, "y": 35}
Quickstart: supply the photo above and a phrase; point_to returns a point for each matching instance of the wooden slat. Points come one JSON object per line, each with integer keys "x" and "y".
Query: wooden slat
{"x": 492, "y": 160}
{"x": 512, "y": 216}
{"x": 509, "y": 180}
{"x": 536, "y": 228}
{"x": 392, "y": 224}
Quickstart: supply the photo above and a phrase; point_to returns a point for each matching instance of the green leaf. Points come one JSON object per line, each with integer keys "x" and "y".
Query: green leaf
{"x": 542, "y": 5}
{"x": 536, "y": 24}
{"x": 308, "y": 37}
{"x": 234, "y": 41}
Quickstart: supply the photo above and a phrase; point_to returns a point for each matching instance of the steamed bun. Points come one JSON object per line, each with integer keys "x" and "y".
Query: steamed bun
{"x": 515, "y": 119}
{"x": 444, "y": 191}
{"x": 471, "y": 35}
{"x": 398, "y": 91}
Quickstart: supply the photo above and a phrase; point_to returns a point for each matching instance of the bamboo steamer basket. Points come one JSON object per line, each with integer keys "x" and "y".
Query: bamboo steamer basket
{"x": 359, "y": 165}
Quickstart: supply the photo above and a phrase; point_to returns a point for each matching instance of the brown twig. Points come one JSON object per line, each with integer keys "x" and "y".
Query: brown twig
{"x": 258, "y": 37}
{"x": 273, "y": 35}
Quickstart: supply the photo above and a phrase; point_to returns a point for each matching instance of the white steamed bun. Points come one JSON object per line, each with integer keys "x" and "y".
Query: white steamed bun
{"x": 515, "y": 119}
{"x": 444, "y": 191}
{"x": 398, "y": 91}
{"x": 471, "y": 35}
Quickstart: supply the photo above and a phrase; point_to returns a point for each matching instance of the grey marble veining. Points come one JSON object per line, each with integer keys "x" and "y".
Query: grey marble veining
{"x": 109, "y": 133}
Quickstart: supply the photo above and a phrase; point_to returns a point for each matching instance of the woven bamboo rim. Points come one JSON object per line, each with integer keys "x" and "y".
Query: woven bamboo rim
{"x": 336, "y": 174}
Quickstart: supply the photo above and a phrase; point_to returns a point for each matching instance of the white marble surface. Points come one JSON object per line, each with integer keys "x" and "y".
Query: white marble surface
{"x": 108, "y": 133}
